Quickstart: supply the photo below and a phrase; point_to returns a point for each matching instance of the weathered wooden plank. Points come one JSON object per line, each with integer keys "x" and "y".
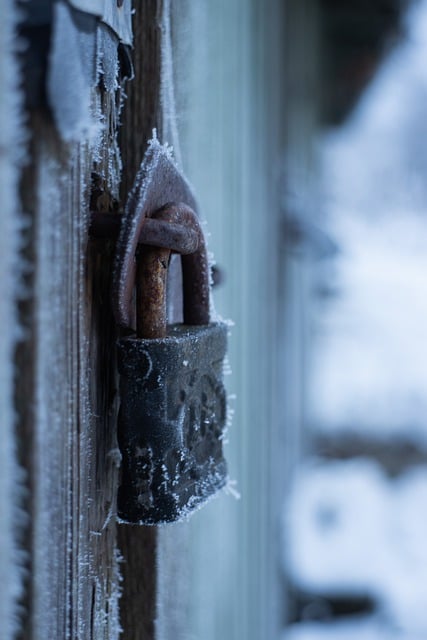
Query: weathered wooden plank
{"x": 142, "y": 111}
{"x": 142, "y": 114}
{"x": 24, "y": 387}
{"x": 11, "y": 480}
{"x": 138, "y": 546}
{"x": 65, "y": 393}
{"x": 68, "y": 391}
{"x": 73, "y": 458}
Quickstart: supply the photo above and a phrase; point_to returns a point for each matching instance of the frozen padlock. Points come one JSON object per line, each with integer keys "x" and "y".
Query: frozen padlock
{"x": 173, "y": 403}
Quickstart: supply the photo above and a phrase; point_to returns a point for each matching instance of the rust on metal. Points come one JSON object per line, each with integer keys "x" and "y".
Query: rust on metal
{"x": 157, "y": 233}
{"x": 157, "y": 183}
{"x": 195, "y": 266}
{"x": 151, "y": 278}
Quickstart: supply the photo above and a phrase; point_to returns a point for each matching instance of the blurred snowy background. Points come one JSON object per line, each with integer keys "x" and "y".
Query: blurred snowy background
{"x": 355, "y": 534}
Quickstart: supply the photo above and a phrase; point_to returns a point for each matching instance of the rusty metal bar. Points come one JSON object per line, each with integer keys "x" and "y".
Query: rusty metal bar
{"x": 157, "y": 233}
{"x": 151, "y": 278}
{"x": 195, "y": 266}
{"x": 173, "y": 227}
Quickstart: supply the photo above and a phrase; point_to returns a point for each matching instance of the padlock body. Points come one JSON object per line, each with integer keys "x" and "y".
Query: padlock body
{"x": 171, "y": 422}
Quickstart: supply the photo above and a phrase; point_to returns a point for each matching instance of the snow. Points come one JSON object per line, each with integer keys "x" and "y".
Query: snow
{"x": 352, "y": 530}
{"x": 82, "y": 49}
{"x": 369, "y": 363}
{"x": 349, "y": 528}
{"x": 370, "y": 629}
{"x": 370, "y": 341}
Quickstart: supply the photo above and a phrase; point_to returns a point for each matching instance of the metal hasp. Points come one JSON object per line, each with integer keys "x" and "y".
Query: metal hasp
{"x": 173, "y": 403}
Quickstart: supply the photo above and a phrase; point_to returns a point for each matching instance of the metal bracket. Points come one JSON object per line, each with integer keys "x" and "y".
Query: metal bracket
{"x": 157, "y": 183}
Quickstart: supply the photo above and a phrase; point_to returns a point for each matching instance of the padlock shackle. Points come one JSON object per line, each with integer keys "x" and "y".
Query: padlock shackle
{"x": 151, "y": 277}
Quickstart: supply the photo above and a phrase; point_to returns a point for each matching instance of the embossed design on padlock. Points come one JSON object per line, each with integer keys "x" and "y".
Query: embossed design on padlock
{"x": 173, "y": 403}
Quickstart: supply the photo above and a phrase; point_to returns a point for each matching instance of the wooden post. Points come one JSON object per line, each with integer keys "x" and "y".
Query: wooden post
{"x": 142, "y": 114}
{"x": 66, "y": 391}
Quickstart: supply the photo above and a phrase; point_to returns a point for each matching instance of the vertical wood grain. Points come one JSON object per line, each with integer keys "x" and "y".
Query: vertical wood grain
{"x": 142, "y": 114}
{"x": 66, "y": 398}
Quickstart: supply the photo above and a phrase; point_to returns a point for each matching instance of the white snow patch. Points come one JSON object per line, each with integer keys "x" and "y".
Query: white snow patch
{"x": 351, "y": 529}
{"x": 370, "y": 629}
{"x": 369, "y": 370}
{"x": 369, "y": 363}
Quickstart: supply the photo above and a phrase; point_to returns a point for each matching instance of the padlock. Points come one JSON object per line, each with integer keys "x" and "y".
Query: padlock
{"x": 173, "y": 410}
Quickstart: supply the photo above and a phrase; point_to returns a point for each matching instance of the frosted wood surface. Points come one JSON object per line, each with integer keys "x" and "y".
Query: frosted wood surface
{"x": 66, "y": 395}
{"x": 12, "y": 520}
{"x": 142, "y": 114}
{"x": 228, "y": 70}
{"x": 66, "y": 391}
{"x": 65, "y": 387}
{"x": 73, "y": 463}
{"x": 119, "y": 19}
{"x": 217, "y": 578}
